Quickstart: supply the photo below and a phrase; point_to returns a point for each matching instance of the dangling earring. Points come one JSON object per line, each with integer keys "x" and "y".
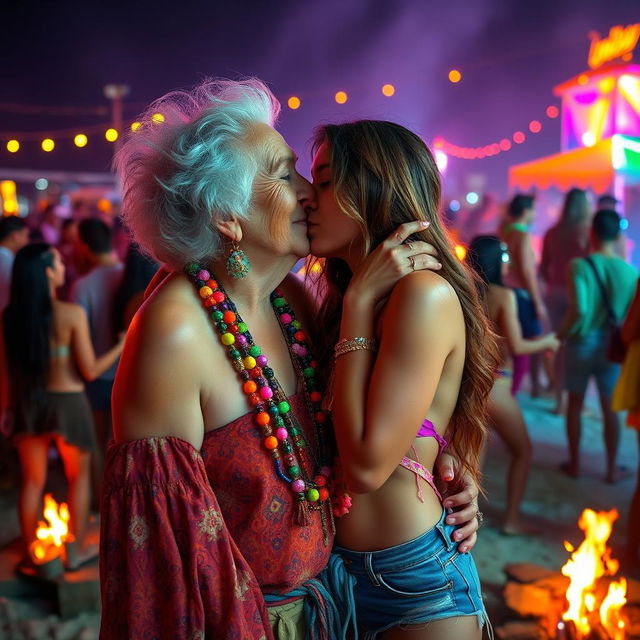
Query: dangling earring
{"x": 237, "y": 262}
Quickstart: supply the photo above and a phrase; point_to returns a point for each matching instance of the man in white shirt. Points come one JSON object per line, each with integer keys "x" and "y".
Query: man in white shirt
{"x": 14, "y": 234}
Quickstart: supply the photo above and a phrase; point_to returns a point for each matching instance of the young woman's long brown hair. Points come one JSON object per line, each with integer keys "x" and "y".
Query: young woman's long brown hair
{"x": 384, "y": 175}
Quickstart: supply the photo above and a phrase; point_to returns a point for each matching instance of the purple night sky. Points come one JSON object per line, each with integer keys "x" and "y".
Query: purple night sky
{"x": 511, "y": 55}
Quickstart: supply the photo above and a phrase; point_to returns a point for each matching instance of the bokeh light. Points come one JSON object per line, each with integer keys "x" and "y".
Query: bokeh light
{"x": 80, "y": 140}
{"x": 341, "y": 97}
{"x": 624, "y": 224}
{"x": 552, "y": 111}
{"x": 535, "y": 126}
{"x": 111, "y": 135}
{"x": 505, "y": 144}
{"x": 455, "y": 76}
{"x": 13, "y": 146}
{"x": 41, "y": 184}
{"x": 588, "y": 139}
{"x": 583, "y": 79}
{"x": 472, "y": 197}
{"x": 157, "y": 117}
{"x": 388, "y": 90}
{"x": 519, "y": 137}
{"x": 48, "y": 145}
{"x": 293, "y": 102}
{"x": 454, "y": 205}
{"x": 442, "y": 160}
{"x": 135, "y": 125}
{"x": 461, "y": 252}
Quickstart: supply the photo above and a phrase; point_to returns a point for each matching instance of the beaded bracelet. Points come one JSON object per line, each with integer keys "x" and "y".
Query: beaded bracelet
{"x": 345, "y": 345}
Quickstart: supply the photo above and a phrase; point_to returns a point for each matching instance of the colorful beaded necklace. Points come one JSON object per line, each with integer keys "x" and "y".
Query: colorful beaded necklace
{"x": 282, "y": 435}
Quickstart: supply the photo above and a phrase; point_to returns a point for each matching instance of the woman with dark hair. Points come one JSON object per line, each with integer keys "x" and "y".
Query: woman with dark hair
{"x": 48, "y": 357}
{"x": 139, "y": 270}
{"x": 488, "y": 256}
{"x": 412, "y": 366}
{"x": 566, "y": 240}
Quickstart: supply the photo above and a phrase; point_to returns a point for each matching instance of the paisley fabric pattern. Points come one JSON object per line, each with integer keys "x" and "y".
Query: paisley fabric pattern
{"x": 258, "y": 506}
{"x": 168, "y": 566}
{"x": 190, "y": 540}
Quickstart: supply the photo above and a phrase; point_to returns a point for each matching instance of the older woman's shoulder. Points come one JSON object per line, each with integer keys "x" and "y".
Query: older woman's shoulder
{"x": 171, "y": 312}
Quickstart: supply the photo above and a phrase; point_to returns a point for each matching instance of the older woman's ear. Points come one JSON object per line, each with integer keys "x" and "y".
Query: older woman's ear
{"x": 230, "y": 229}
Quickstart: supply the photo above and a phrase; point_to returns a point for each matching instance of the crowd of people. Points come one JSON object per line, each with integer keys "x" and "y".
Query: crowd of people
{"x": 285, "y": 457}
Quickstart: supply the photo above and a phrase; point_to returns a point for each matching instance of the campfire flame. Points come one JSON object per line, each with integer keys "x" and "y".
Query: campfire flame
{"x": 57, "y": 531}
{"x": 591, "y": 561}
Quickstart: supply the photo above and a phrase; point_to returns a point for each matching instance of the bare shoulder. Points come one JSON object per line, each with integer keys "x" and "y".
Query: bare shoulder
{"x": 171, "y": 315}
{"x": 159, "y": 381}
{"x": 69, "y": 311}
{"x": 424, "y": 290}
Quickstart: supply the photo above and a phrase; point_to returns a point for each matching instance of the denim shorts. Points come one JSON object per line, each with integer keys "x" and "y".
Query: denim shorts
{"x": 586, "y": 358}
{"x": 415, "y": 582}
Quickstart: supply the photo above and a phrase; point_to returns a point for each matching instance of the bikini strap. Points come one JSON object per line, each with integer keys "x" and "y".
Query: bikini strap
{"x": 419, "y": 470}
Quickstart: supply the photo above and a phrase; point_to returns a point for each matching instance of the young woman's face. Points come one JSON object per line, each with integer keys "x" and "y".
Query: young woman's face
{"x": 278, "y": 222}
{"x": 332, "y": 234}
{"x": 56, "y": 272}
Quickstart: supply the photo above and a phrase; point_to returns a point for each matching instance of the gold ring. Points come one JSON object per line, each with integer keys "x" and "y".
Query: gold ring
{"x": 413, "y": 264}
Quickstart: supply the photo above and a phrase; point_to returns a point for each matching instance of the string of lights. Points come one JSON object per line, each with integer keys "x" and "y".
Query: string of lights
{"x": 48, "y": 139}
{"x": 496, "y": 147}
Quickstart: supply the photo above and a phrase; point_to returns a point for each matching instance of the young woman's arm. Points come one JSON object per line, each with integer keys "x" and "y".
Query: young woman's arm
{"x": 380, "y": 402}
{"x": 89, "y": 365}
{"x": 511, "y": 330}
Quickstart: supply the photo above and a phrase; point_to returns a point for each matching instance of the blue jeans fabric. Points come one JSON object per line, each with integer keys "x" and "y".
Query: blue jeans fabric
{"x": 586, "y": 358}
{"x": 527, "y": 314}
{"x": 415, "y": 582}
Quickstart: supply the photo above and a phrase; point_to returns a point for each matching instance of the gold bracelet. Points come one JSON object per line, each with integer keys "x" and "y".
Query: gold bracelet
{"x": 345, "y": 345}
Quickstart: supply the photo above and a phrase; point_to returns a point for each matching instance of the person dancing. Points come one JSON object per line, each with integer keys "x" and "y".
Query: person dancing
{"x": 488, "y": 256}
{"x": 48, "y": 356}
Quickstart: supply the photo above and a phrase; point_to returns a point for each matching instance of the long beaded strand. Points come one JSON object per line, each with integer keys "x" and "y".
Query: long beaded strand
{"x": 272, "y": 411}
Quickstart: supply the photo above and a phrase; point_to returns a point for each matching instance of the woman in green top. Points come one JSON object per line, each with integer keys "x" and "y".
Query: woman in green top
{"x": 585, "y": 328}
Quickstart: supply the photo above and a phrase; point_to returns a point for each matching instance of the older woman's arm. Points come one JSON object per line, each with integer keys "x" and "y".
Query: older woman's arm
{"x": 169, "y": 566}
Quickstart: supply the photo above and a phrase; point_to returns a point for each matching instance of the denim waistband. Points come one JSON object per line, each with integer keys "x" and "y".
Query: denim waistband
{"x": 400, "y": 555}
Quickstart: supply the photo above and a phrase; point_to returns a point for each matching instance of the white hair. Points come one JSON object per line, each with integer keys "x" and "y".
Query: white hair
{"x": 180, "y": 174}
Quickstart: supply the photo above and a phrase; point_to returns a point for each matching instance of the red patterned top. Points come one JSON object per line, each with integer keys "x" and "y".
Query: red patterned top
{"x": 179, "y": 527}
{"x": 258, "y": 506}
{"x": 168, "y": 566}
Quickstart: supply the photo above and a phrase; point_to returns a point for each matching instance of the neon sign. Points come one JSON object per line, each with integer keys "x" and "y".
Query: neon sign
{"x": 620, "y": 42}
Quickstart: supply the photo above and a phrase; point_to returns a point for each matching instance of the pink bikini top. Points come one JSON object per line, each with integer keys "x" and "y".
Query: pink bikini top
{"x": 427, "y": 430}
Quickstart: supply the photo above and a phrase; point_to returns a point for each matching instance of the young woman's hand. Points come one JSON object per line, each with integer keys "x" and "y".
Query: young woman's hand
{"x": 392, "y": 260}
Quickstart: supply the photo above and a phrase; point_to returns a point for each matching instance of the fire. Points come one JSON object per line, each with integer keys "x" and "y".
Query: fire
{"x": 57, "y": 531}
{"x": 590, "y": 562}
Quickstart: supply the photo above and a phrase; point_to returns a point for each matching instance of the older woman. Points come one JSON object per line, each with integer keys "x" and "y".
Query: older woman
{"x": 217, "y": 492}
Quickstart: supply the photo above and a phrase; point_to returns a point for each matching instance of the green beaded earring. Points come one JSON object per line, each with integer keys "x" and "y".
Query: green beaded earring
{"x": 237, "y": 262}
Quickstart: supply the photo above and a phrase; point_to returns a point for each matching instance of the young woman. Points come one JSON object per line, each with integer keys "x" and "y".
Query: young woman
{"x": 412, "y": 366}
{"x": 488, "y": 256}
{"x": 48, "y": 355}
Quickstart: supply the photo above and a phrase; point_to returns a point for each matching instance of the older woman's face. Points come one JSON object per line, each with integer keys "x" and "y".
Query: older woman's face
{"x": 280, "y": 196}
